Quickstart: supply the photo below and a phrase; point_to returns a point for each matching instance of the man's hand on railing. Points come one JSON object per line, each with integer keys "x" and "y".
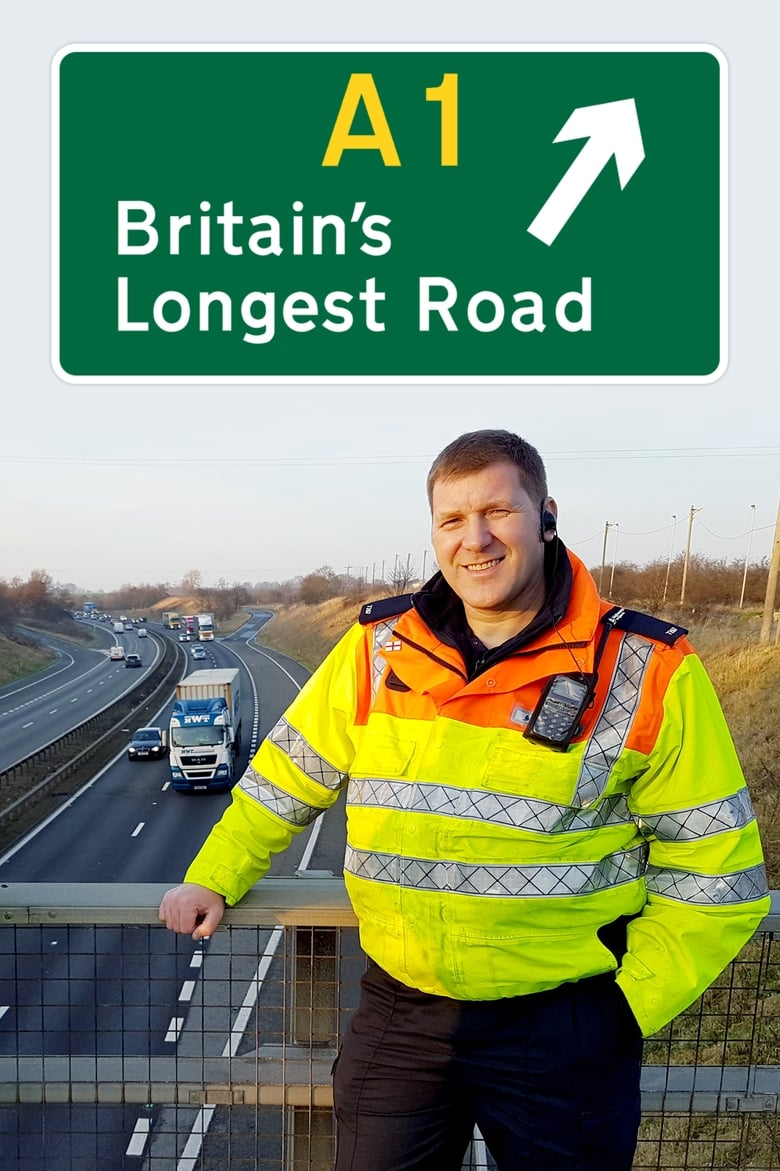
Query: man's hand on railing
{"x": 192, "y": 910}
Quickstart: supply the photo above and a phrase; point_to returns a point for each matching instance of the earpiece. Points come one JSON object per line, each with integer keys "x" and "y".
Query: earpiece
{"x": 548, "y": 522}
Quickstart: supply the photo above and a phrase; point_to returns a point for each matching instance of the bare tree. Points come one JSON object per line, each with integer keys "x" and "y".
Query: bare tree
{"x": 402, "y": 576}
{"x": 191, "y": 582}
{"x": 316, "y": 587}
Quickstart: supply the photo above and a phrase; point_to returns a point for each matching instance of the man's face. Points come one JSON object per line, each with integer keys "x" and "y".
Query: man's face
{"x": 486, "y": 539}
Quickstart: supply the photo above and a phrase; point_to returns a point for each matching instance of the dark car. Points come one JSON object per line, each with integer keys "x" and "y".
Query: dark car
{"x": 148, "y": 744}
{"x": 133, "y": 660}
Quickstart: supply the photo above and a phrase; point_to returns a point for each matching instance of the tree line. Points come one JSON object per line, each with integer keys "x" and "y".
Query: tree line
{"x": 710, "y": 582}
{"x": 656, "y": 587}
{"x": 41, "y": 599}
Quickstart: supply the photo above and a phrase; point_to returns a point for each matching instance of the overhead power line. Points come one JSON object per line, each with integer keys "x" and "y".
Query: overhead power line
{"x": 373, "y": 458}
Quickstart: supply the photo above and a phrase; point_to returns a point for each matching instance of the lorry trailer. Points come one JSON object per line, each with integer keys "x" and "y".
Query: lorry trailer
{"x": 204, "y": 736}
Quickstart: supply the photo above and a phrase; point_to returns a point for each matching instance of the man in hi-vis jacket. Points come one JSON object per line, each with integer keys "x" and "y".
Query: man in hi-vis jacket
{"x": 550, "y": 847}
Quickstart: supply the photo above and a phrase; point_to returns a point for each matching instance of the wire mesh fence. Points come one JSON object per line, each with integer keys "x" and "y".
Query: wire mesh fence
{"x": 123, "y": 1046}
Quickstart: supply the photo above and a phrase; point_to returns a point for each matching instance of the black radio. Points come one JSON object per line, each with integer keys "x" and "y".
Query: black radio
{"x": 557, "y": 716}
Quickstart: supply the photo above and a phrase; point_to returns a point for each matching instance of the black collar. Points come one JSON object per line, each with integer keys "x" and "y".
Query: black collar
{"x": 442, "y": 612}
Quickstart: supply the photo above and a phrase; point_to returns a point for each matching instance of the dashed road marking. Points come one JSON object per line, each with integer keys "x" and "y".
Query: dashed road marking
{"x": 174, "y": 1028}
{"x": 139, "y": 1137}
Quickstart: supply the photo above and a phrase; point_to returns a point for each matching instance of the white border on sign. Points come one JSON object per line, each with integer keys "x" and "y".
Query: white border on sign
{"x": 407, "y": 379}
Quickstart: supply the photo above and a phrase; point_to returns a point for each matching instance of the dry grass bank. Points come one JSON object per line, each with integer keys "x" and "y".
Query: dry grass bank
{"x": 746, "y": 677}
{"x": 747, "y": 680}
{"x": 18, "y": 659}
{"x": 307, "y": 633}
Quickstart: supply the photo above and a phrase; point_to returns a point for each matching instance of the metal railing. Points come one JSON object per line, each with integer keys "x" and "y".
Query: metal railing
{"x": 122, "y": 1045}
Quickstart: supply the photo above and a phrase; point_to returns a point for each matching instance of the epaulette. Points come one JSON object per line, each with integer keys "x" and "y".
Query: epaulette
{"x": 637, "y": 623}
{"x": 385, "y": 608}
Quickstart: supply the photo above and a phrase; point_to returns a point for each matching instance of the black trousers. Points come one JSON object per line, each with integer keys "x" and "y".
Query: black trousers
{"x": 551, "y": 1079}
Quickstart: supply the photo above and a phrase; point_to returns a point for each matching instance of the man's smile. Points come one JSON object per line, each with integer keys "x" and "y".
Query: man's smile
{"x": 481, "y": 566}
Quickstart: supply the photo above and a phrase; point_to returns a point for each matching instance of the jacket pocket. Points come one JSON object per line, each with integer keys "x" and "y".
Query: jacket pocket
{"x": 382, "y": 756}
{"x": 531, "y": 770}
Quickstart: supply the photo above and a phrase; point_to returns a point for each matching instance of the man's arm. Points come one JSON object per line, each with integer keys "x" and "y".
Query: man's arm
{"x": 706, "y": 885}
{"x": 295, "y": 776}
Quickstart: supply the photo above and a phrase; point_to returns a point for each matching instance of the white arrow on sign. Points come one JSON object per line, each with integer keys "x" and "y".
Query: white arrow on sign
{"x": 611, "y": 128}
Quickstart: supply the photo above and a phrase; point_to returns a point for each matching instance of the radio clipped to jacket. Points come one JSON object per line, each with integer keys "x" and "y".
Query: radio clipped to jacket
{"x": 558, "y": 714}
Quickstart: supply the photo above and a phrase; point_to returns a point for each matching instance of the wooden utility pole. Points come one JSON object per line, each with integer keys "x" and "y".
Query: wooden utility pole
{"x": 603, "y": 557}
{"x": 771, "y": 585}
{"x": 691, "y": 515}
{"x": 669, "y": 561}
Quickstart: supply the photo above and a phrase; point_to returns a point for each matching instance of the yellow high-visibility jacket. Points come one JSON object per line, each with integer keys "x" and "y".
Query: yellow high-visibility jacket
{"x": 482, "y": 864}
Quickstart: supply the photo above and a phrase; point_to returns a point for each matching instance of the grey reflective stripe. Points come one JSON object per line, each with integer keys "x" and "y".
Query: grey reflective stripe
{"x": 481, "y": 805}
{"x": 613, "y": 725}
{"x": 274, "y": 799}
{"x": 380, "y": 633}
{"x": 702, "y": 821}
{"x": 574, "y": 878}
{"x": 317, "y": 769}
{"x": 707, "y": 889}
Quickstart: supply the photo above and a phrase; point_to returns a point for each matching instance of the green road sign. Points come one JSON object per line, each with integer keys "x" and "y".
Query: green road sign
{"x": 382, "y": 213}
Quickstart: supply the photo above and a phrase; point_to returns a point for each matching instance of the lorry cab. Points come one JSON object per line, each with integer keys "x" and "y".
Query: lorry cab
{"x": 205, "y": 730}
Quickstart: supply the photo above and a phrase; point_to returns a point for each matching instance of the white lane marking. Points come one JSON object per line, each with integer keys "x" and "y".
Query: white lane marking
{"x": 314, "y": 833}
{"x": 139, "y": 1137}
{"x": 55, "y": 813}
{"x": 273, "y": 660}
{"x": 28, "y": 725}
{"x": 138, "y": 829}
{"x": 252, "y": 993}
{"x": 187, "y": 990}
{"x": 478, "y": 1151}
{"x": 53, "y": 691}
{"x": 3, "y": 1010}
{"x": 76, "y": 700}
{"x": 54, "y": 711}
{"x": 167, "y": 785}
{"x": 255, "y": 703}
{"x": 191, "y": 1154}
{"x": 63, "y": 655}
{"x": 174, "y": 1028}
{"x": 197, "y": 960}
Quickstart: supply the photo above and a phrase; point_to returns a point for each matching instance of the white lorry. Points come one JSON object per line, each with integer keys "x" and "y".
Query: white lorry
{"x": 205, "y": 627}
{"x": 205, "y": 731}
{"x": 118, "y": 627}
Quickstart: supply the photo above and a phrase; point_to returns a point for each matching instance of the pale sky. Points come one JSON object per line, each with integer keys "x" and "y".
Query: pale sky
{"x": 102, "y": 485}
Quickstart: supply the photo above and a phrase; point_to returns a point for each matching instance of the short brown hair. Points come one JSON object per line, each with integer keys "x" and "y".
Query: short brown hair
{"x": 478, "y": 449}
